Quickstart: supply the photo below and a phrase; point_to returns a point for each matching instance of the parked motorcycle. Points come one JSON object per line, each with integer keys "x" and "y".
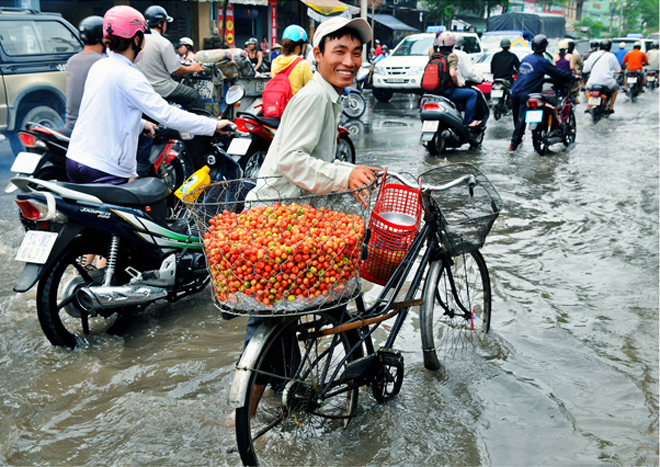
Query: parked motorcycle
{"x": 599, "y": 100}
{"x": 354, "y": 102}
{"x": 500, "y": 98}
{"x": 551, "y": 118}
{"x": 442, "y": 123}
{"x": 634, "y": 79}
{"x": 364, "y": 75}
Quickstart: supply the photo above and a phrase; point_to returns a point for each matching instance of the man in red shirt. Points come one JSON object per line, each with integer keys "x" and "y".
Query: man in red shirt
{"x": 635, "y": 60}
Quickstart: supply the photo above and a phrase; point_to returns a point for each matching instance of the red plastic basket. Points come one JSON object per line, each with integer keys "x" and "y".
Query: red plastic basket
{"x": 394, "y": 224}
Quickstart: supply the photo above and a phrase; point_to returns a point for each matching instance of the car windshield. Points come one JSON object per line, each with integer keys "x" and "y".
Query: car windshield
{"x": 37, "y": 38}
{"x": 414, "y": 45}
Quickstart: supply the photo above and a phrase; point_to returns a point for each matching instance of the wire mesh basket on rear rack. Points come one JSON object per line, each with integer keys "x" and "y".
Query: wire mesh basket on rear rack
{"x": 465, "y": 219}
{"x": 279, "y": 256}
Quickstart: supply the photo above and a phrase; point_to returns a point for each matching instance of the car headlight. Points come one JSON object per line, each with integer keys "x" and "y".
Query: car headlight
{"x": 379, "y": 70}
{"x": 417, "y": 70}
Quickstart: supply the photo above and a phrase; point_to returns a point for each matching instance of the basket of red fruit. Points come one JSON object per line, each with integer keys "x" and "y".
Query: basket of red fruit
{"x": 279, "y": 256}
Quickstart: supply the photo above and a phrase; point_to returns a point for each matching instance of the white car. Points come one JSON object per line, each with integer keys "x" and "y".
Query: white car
{"x": 482, "y": 65}
{"x": 402, "y": 71}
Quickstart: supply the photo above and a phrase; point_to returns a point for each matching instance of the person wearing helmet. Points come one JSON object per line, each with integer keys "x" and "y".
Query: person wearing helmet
{"x": 602, "y": 68}
{"x": 255, "y": 55}
{"x": 160, "y": 62}
{"x": 371, "y": 55}
{"x": 531, "y": 77}
{"x": 465, "y": 70}
{"x": 379, "y": 49}
{"x": 505, "y": 63}
{"x": 635, "y": 61}
{"x": 383, "y": 53}
{"x": 77, "y": 67}
{"x": 593, "y": 47}
{"x": 563, "y": 60}
{"x": 652, "y": 55}
{"x": 105, "y": 139}
{"x": 621, "y": 52}
{"x": 185, "y": 49}
{"x": 293, "y": 46}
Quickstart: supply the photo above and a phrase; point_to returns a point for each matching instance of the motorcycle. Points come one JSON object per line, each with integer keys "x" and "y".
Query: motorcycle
{"x": 599, "y": 100}
{"x": 363, "y": 77}
{"x": 354, "y": 102}
{"x": 634, "y": 79}
{"x": 651, "y": 79}
{"x": 442, "y": 123}
{"x": 500, "y": 98}
{"x": 551, "y": 118}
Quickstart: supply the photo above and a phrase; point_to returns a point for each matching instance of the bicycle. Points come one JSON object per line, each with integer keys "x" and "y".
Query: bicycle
{"x": 315, "y": 362}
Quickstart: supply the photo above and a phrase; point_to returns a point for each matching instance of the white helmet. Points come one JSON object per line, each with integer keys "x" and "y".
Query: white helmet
{"x": 563, "y": 44}
{"x": 446, "y": 39}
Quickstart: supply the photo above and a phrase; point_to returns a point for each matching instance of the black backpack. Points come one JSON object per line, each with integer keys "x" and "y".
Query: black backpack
{"x": 436, "y": 78}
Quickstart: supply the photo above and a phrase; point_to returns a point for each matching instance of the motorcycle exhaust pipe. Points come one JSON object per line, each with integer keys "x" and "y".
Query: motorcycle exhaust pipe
{"x": 103, "y": 297}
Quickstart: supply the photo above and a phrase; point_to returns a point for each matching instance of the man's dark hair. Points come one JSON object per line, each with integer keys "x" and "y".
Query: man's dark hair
{"x": 338, "y": 34}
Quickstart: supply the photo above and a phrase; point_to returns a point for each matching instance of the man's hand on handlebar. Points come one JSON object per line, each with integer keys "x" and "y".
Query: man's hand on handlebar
{"x": 149, "y": 129}
{"x": 362, "y": 176}
{"x": 222, "y": 125}
{"x": 195, "y": 67}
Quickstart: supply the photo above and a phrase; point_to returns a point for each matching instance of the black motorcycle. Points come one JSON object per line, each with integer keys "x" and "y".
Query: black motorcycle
{"x": 634, "y": 79}
{"x": 500, "y": 98}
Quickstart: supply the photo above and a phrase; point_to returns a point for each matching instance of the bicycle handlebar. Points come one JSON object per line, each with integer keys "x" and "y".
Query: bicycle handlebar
{"x": 470, "y": 180}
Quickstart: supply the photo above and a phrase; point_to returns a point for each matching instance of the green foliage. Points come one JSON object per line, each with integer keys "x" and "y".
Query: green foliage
{"x": 588, "y": 28}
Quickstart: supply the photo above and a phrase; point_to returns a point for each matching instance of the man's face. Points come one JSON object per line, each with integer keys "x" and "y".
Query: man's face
{"x": 340, "y": 61}
{"x": 181, "y": 50}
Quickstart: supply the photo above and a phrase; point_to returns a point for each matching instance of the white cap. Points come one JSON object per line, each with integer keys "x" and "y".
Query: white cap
{"x": 334, "y": 24}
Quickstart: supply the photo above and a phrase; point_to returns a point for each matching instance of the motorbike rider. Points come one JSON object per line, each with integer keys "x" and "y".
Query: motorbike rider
{"x": 505, "y": 63}
{"x": 383, "y": 54}
{"x": 653, "y": 59}
{"x": 635, "y": 61}
{"x": 104, "y": 141}
{"x": 563, "y": 60}
{"x": 255, "y": 55}
{"x": 160, "y": 60}
{"x": 294, "y": 39}
{"x": 531, "y": 76}
{"x": 185, "y": 49}
{"x": 602, "y": 68}
{"x": 77, "y": 67}
{"x": 577, "y": 60}
{"x": 444, "y": 44}
{"x": 465, "y": 70}
{"x": 593, "y": 47}
{"x": 621, "y": 52}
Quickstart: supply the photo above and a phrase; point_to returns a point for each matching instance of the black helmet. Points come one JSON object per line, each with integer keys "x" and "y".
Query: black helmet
{"x": 606, "y": 44}
{"x": 655, "y": 44}
{"x": 155, "y": 15}
{"x": 539, "y": 43}
{"x": 594, "y": 44}
{"x": 91, "y": 30}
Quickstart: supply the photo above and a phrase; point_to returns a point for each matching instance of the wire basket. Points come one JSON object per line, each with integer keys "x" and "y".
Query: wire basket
{"x": 279, "y": 256}
{"x": 394, "y": 224}
{"x": 465, "y": 219}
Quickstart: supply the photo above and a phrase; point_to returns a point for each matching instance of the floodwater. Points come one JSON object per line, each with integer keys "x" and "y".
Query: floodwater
{"x": 568, "y": 376}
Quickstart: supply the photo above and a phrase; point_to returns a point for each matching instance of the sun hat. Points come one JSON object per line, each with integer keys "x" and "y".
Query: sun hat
{"x": 334, "y": 24}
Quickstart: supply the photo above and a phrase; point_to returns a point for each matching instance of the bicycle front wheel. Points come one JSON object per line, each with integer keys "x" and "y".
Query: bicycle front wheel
{"x": 291, "y": 398}
{"x": 454, "y": 318}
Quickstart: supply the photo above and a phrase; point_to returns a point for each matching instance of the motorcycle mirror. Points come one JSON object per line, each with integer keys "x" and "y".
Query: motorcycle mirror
{"x": 234, "y": 94}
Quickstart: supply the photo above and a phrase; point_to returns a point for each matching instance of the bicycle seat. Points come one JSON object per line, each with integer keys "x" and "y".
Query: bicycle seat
{"x": 142, "y": 192}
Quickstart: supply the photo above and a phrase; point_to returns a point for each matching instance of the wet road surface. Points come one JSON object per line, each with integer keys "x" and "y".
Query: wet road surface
{"x": 569, "y": 375}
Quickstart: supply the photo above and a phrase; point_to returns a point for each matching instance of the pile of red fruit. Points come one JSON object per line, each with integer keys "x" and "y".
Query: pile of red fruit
{"x": 282, "y": 253}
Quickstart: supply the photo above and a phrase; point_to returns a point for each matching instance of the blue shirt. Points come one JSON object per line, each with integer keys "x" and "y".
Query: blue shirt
{"x": 531, "y": 73}
{"x": 620, "y": 54}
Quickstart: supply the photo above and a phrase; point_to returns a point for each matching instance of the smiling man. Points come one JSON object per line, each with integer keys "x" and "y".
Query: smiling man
{"x": 303, "y": 151}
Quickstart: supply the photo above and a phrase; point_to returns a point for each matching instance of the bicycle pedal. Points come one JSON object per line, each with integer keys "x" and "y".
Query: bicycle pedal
{"x": 390, "y": 357}
{"x": 364, "y": 368}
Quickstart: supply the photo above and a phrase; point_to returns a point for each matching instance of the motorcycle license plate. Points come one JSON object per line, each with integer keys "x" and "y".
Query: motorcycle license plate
{"x": 36, "y": 246}
{"x": 594, "y": 100}
{"x": 650, "y": 78}
{"x": 533, "y": 116}
{"x": 496, "y": 93}
{"x": 26, "y": 162}
{"x": 239, "y": 146}
{"x": 430, "y": 126}
{"x": 632, "y": 79}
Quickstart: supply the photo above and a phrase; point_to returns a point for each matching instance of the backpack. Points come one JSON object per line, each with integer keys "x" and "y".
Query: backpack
{"x": 436, "y": 77}
{"x": 277, "y": 92}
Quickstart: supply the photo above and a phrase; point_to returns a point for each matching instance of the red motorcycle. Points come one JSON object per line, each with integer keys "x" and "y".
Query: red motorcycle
{"x": 252, "y": 149}
{"x": 551, "y": 118}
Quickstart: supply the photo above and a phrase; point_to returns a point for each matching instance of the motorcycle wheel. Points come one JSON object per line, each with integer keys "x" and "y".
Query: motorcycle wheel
{"x": 540, "y": 142}
{"x": 345, "y": 149}
{"x": 251, "y": 164}
{"x": 477, "y": 141}
{"x": 571, "y": 130}
{"x": 60, "y": 315}
{"x": 354, "y": 105}
{"x": 437, "y": 144}
{"x": 595, "y": 115}
{"x": 496, "y": 114}
{"x": 173, "y": 173}
{"x": 382, "y": 95}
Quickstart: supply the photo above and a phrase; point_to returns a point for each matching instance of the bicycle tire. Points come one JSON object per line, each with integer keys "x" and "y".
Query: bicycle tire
{"x": 445, "y": 328}
{"x": 301, "y": 413}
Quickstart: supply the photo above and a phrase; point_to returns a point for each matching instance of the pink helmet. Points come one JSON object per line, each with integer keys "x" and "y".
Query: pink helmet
{"x": 446, "y": 39}
{"x": 122, "y": 21}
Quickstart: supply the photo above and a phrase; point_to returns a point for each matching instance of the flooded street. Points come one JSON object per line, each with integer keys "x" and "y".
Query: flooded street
{"x": 568, "y": 375}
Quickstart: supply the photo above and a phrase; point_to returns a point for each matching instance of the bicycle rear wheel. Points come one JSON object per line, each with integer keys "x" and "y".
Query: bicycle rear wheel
{"x": 289, "y": 394}
{"x": 454, "y": 321}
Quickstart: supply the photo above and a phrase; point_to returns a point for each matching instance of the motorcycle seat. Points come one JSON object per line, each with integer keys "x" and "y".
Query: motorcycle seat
{"x": 549, "y": 98}
{"x": 142, "y": 192}
{"x": 268, "y": 121}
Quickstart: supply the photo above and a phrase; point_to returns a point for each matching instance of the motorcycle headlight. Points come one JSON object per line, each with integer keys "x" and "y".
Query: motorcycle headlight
{"x": 379, "y": 70}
